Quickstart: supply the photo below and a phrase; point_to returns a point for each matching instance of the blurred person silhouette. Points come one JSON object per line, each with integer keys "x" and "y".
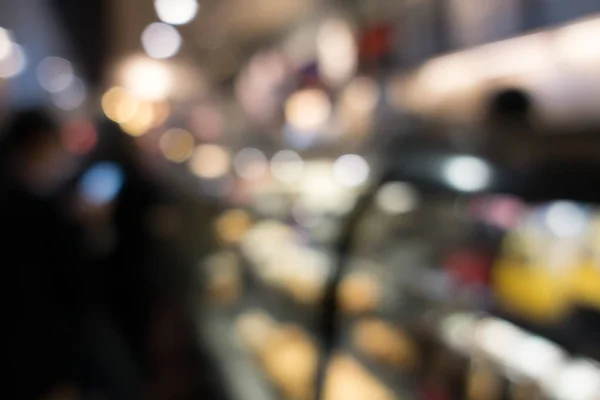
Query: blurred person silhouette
{"x": 62, "y": 343}
{"x": 43, "y": 299}
{"x": 147, "y": 286}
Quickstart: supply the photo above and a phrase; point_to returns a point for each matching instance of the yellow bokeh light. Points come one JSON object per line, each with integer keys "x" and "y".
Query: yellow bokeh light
{"x": 233, "y": 225}
{"x": 162, "y": 111}
{"x": 119, "y": 104}
{"x": 142, "y": 121}
{"x": 177, "y": 145}
{"x": 210, "y": 161}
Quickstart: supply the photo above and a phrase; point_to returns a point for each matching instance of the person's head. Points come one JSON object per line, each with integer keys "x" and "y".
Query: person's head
{"x": 510, "y": 107}
{"x": 31, "y": 150}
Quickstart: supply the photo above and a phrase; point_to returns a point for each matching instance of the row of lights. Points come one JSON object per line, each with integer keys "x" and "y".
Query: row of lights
{"x": 211, "y": 161}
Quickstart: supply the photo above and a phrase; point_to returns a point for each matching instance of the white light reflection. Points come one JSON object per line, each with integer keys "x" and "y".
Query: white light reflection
{"x": 5, "y": 44}
{"x": 176, "y": 12}
{"x": 580, "y": 380}
{"x": 565, "y": 219}
{"x": 336, "y": 51}
{"x": 55, "y": 74}
{"x": 468, "y": 174}
{"x": 498, "y": 338}
{"x": 15, "y": 64}
{"x": 537, "y": 358}
{"x": 351, "y": 170}
{"x": 250, "y": 164}
{"x": 458, "y": 330}
{"x": 72, "y": 97}
{"x": 287, "y": 166}
{"x": 397, "y": 198}
{"x": 577, "y": 44}
{"x": 161, "y": 40}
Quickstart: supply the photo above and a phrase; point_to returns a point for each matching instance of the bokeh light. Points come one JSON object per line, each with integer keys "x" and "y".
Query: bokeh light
{"x": 397, "y": 198}
{"x": 233, "y": 225}
{"x": 147, "y": 78}
{"x": 287, "y": 166}
{"x": 308, "y": 110}
{"x": 176, "y": 12}
{"x": 362, "y": 94}
{"x": 79, "y": 136}
{"x": 467, "y": 173}
{"x": 5, "y": 44}
{"x": 250, "y": 164}
{"x": 14, "y": 64}
{"x": 351, "y": 170}
{"x": 566, "y": 219}
{"x": 210, "y": 161}
{"x": 55, "y": 74}
{"x": 102, "y": 183}
{"x": 142, "y": 120}
{"x": 177, "y": 145}
{"x": 72, "y": 97}
{"x": 119, "y": 104}
{"x": 206, "y": 122}
{"x": 161, "y": 40}
{"x": 337, "y": 51}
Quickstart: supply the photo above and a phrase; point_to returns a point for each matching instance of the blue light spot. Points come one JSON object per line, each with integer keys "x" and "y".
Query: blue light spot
{"x": 102, "y": 183}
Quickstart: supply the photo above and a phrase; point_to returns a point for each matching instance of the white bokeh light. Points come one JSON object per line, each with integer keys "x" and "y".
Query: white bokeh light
{"x": 55, "y": 74}
{"x": 176, "y": 12}
{"x": 566, "y": 219}
{"x": 468, "y": 174}
{"x": 147, "y": 78}
{"x": 72, "y": 97}
{"x": 14, "y": 64}
{"x": 287, "y": 166}
{"x": 397, "y": 198}
{"x": 5, "y": 44}
{"x": 161, "y": 40}
{"x": 337, "y": 53}
{"x": 250, "y": 164}
{"x": 351, "y": 170}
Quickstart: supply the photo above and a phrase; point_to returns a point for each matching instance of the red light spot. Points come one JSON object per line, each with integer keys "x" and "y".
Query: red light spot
{"x": 79, "y": 136}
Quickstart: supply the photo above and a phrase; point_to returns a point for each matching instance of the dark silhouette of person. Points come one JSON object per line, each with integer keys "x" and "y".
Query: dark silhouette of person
{"x": 43, "y": 298}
